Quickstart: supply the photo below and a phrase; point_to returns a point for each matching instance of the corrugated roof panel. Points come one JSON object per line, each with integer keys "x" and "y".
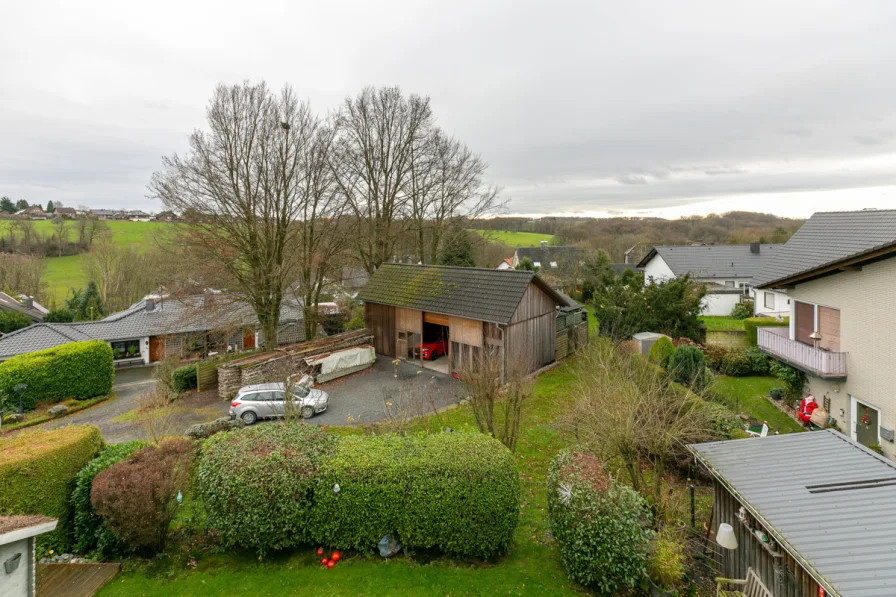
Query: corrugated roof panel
{"x": 847, "y": 535}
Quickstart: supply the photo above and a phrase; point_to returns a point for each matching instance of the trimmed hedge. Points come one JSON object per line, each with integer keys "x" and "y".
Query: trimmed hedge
{"x": 455, "y": 492}
{"x": 78, "y": 370}
{"x": 184, "y": 379}
{"x": 37, "y": 476}
{"x": 90, "y": 532}
{"x": 602, "y": 527}
{"x": 751, "y": 323}
{"x": 257, "y": 483}
{"x": 272, "y": 487}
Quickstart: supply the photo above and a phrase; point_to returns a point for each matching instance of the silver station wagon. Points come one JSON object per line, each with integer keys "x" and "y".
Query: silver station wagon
{"x": 267, "y": 401}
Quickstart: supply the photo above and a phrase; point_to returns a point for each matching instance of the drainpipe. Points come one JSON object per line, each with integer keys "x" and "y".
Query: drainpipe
{"x": 503, "y": 351}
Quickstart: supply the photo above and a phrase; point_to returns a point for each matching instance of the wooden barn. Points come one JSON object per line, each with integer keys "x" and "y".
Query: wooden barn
{"x": 809, "y": 513}
{"x": 458, "y": 312}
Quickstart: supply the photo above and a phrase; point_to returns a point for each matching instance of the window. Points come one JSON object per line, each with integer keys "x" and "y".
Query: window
{"x": 769, "y": 300}
{"x": 537, "y": 264}
{"x": 300, "y": 391}
{"x": 554, "y": 264}
{"x": 127, "y": 349}
{"x": 729, "y": 283}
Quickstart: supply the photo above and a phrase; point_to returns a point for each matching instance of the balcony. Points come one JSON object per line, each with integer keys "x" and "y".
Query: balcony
{"x": 826, "y": 364}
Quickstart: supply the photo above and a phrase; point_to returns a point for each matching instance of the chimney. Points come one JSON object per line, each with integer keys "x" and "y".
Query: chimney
{"x": 27, "y": 301}
{"x": 754, "y": 248}
{"x": 150, "y": 305}
{"x": 544, "y": 244}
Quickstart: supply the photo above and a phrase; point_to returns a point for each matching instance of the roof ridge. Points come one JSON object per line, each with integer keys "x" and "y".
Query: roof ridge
{"x": 457, "y": 267}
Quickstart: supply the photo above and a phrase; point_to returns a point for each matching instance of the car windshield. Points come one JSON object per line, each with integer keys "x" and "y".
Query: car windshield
{"x": 301, "y": 391}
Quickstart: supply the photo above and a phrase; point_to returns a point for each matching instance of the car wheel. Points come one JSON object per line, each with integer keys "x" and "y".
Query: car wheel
{"x": 307, "y": 412}
{"x": 249, "y": 417}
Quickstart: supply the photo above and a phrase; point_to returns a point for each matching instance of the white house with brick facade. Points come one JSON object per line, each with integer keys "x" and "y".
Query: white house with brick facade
{"x": 839, "y": 270}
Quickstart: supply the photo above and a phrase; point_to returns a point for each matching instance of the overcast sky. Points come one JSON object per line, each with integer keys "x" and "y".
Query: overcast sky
{"x": 592, "y": 107}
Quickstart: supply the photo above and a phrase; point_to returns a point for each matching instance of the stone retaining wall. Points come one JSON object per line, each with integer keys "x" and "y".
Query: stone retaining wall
{"x": 734, "y": 340}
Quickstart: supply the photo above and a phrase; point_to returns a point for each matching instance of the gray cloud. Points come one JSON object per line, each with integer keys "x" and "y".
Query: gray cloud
{"x": 572, "y": 106}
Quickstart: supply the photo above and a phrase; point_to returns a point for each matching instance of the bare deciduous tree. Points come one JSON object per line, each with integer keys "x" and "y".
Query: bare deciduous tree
{"x": 444, "y": 186}
{"x": 22, "y": 274}
{"x": 629, "y": 411}
{"x": 378, "y": 131}
{"x": 497, "y": 407}
{"x": 241, "y": 190}
{"x": 122, "y": 274}
{"x": 60, "y": 234}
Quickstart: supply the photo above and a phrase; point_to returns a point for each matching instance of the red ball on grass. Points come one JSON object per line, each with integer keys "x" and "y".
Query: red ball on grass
{"x": 320, "y": 551}
{"x": 330, "y": 564}
{"x": 336, "y": 556}
{"x": 324, "y": 562}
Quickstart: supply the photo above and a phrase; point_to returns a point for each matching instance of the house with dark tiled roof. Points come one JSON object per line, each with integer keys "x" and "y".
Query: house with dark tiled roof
{"x": 561, "y": 267}
{"x": 160, "y": 326}
{"x": 726, "y": 270}
{"x": 26, "y": 305}
{"x": 65, "y": 212}
{"x": 457, "y": 314}
{"x": 839, "y": 269}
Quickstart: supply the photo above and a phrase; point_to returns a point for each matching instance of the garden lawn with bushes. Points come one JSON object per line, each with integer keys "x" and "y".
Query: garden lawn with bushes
{"x": 749, "y": 395}
{"x": 532, "y": 567}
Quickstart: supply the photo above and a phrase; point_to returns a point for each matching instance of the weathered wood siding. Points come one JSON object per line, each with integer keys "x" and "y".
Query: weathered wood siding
{"x": 534, "y": 303}
{"x": 465, "y": 331}
{"x": 408, "y": 320}
{"x": 380, "y": 320}
{"x": 782, "y": 575}
{"x": 531, "y": 336}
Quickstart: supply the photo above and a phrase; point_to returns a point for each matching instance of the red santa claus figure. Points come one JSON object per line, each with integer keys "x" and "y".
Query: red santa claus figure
{"x": 807, "y": 407}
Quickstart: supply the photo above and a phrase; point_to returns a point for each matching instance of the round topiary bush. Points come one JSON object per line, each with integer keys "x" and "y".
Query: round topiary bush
{"x": 687, "y": 366}
{"x": 257, "y": 483}
{"x": 90, "y": 532}
{"x": 661, "y": 351}
{"x": 602, "y": 528}
{"x": 184, "y": 379}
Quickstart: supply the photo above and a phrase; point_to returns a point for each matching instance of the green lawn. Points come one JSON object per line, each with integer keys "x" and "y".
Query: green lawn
{"x": 748, "y": 395}
{"x": 64, "y": 273}
{"x": 515, "y": 239}
{"x": 532, "y": 567}
{"x": 718, "y": 323}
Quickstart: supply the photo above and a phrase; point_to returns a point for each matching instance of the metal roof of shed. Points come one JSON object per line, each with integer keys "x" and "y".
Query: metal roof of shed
{"x": 823, "y": 497}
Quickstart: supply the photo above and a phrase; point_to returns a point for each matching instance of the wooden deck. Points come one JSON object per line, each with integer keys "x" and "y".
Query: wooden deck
{"x": 73, "y": 580}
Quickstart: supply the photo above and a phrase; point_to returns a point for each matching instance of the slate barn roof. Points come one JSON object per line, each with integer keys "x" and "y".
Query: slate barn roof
{"x": 828, "y": 238}
{"x": 832, "y": 510}
{"x": 474, "y": 293}
{"x": 713, "y": 261}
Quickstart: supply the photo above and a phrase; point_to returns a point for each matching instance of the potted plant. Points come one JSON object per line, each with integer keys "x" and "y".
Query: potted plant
{"x": 665, "y": 565}
{"x": 776, "y": 393}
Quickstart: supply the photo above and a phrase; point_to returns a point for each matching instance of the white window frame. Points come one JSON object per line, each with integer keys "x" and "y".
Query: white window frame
{"x": 769, "y": 295}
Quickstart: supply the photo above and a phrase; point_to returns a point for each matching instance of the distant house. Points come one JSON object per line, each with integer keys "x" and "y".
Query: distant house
{"x": 103, "y": 214}
{"x": 165, "y": 216}
{"x": 727, "y": 271}
{"x": 137, "y": 215}
{"x": 839, "y": 270}
{"x": 25, "y": 305}
{"x": 561, "y": 267}
{"x": 65, "y": 212}
{"x": 467, "y": 311}
{"x": 506, "y": 264}
{"x": 34, "y": 212}
{"x": 159, "y": 326}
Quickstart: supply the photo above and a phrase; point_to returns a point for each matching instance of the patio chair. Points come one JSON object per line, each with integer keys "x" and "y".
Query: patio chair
{"x": 761, "y": 433}
{"x": 752, "y": 586}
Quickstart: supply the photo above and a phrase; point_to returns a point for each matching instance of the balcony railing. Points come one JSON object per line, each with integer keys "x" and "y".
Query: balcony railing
{"x": 826, "y": 364}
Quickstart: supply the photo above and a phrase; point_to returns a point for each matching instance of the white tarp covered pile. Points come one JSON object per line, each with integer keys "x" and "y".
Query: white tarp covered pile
{"x": 343, "y": 359}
